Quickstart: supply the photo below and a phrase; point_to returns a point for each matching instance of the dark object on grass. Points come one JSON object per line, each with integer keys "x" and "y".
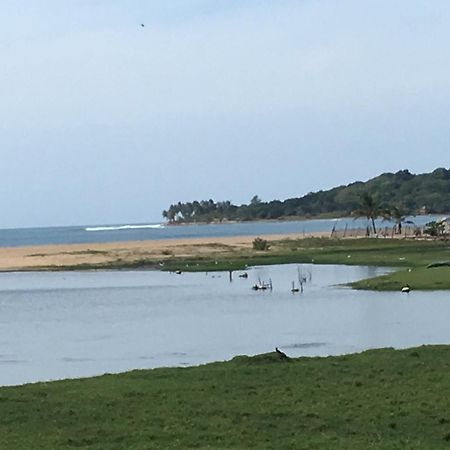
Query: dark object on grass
{"x": 281, "y": 354}
{"x": 438, "y": 264}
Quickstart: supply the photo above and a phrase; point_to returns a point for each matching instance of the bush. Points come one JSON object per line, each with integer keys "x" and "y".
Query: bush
{"x": 434, "y": 229}
{"x": 260, "y": 244}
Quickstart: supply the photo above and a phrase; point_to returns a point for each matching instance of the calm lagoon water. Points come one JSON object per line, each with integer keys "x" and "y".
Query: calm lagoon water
{"x": 72, "y": 324}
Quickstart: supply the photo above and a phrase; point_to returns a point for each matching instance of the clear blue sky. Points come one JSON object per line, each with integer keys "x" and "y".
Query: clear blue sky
{"x": 105, "y": 121}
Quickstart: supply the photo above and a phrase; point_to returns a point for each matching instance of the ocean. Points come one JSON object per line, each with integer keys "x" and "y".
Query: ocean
{"x": 154, "y": 231}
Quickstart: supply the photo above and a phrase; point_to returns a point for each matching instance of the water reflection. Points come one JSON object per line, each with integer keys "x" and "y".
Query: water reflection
{"x": 59, "y": 325}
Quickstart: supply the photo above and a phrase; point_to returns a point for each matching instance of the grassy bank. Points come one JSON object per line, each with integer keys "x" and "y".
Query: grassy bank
{"x": 382, "y": 399}
{"x": 368, "y": 251}
{"x": 397, "y": 253}
{"x": 411, "y": 257}
{"x": 420, "y": 278}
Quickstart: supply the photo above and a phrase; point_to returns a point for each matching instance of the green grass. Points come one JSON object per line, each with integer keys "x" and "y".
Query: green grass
{"x": 416, "y": 278}
{"x": 378, "y": 252}
{"x": 381, "y": 399}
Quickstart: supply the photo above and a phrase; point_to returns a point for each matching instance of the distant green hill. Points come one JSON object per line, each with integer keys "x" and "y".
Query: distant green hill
{"x": 428, "y": 192}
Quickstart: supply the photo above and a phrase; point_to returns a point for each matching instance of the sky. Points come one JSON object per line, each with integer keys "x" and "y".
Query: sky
{"x": 103, "y": 121}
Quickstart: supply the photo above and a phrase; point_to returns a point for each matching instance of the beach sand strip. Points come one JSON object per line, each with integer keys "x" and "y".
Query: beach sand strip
{"x": 70, "y": 255}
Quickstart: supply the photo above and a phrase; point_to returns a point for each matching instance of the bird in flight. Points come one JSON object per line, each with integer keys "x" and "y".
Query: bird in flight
{"x": 142, "y": 25}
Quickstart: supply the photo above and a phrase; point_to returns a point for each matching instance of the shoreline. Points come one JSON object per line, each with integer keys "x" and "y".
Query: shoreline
{"x": 214, "y": 362}
{"x": 413, "y": 258}
{"x": 380, "y": 398}
{"x": 324, "y": 217}
{"x": 60, "y": 256}
{"x": 314, "y": 217}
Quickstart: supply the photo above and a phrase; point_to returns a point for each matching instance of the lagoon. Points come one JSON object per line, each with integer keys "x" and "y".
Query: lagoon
{"x": 78, "y": 324}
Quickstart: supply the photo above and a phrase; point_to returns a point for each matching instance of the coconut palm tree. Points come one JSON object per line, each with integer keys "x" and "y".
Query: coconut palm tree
{"x": 398, "y": 216}
{"x": 370, "y": 209}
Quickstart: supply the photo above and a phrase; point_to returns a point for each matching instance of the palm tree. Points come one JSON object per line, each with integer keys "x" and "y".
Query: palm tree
{"x": 397, "y": 215}
{"x": 370, "y": 209}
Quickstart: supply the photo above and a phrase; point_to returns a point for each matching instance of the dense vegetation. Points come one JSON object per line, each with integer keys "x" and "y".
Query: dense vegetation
{"x": 380, "y": 399}
{"x": 429, "y": 192}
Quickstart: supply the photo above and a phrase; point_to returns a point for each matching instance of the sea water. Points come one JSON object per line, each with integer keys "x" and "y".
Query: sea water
{"x": 136, "y": 232}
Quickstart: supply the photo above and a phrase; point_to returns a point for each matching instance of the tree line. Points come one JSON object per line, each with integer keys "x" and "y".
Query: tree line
{"x": 393, "y": 194}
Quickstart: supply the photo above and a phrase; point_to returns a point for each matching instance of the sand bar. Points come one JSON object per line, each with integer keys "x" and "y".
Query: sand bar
{"x": 70, "y": 255}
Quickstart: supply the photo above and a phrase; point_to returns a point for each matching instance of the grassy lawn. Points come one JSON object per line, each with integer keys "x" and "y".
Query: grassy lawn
{"x": 381, "y": 399}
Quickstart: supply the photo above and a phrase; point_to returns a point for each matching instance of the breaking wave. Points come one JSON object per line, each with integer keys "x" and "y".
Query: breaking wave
{"x": 126, "y": 227}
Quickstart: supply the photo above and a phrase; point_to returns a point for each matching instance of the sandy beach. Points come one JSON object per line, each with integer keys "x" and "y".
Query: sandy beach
{"x": 46, "y": 257}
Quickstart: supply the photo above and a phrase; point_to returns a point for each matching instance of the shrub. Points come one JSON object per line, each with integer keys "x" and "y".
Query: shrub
{"x": 434, "y": 229}
{"x": 260, "y": 244}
